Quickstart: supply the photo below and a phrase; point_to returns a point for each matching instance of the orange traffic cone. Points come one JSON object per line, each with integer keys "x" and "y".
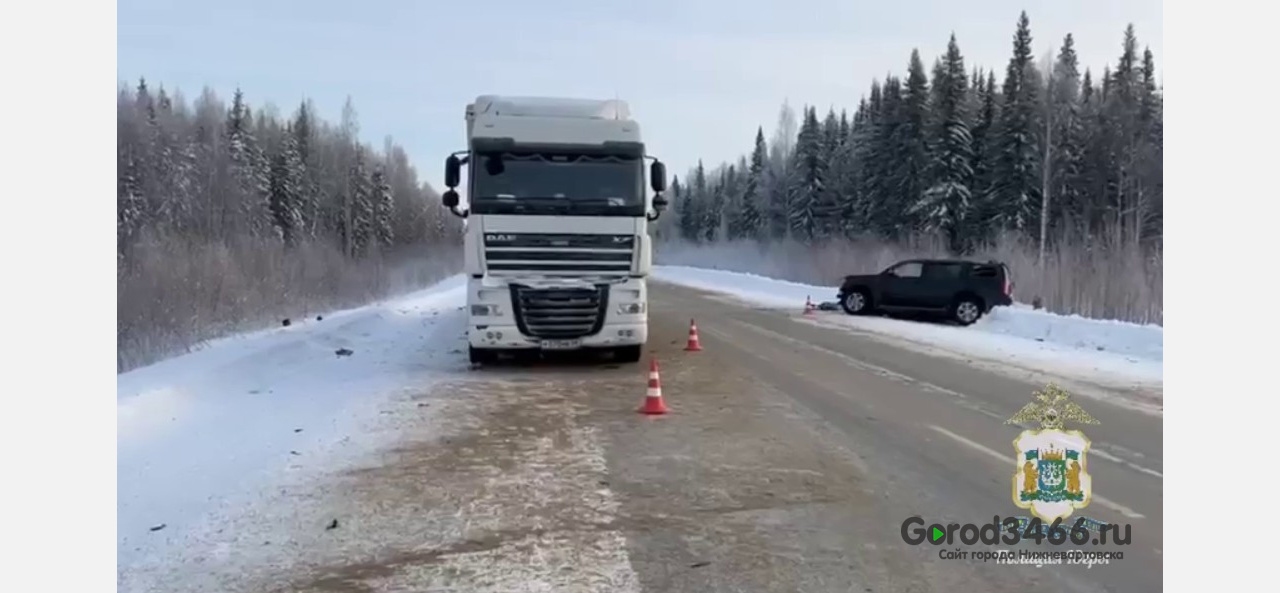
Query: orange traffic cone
{"x": 808, "y": 306}
{"x": 694, "y": 345}
{"x": 653, "y": 403}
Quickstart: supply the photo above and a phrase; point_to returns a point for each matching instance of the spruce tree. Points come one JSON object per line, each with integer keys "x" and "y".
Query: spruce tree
{"x": 984, "y": 135}
{"x": 676, "y": 196}
{"x": 1067, "y": 138}
{"x": 1150, "y": 165}
{"x": 383, "y": 208}
{"x": 779, "y": 176}
{"x": 946, "y": 204}
{"x": 1016, "y": 171}
{"x": 686, "y": 211}
{"x": 853, "y": 177}
{"x": 359, "y": 206}
{"x": 286, "y": 190}
{"x": 308, "y": 192}
{"x": 130, "y": 204}
{"x": 911, "y": 142}
{"x": 810, "y": 179}
{"x": 248, "y": 170}
{"x": 934, "y": 121}
{"x": 883, "y": 162}
{"x": 169, "y": 166}
{"x": 752, "y": 218}
{"x": 714, "y": 208}
{"x": 826, "y": 205}
{"x": 693, "y": 217}
{"x": 1123, "y": 107}
{"x": 733, "y": 228}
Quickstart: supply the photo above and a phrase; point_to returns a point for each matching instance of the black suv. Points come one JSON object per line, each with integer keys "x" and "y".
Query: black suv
{"x": 959, "y": 289}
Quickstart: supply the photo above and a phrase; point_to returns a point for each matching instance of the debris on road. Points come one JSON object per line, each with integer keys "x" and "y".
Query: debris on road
{"x": 344, "y": 352}
{"x": 158, "y": 527}
{"x": 829, "y": 306}
{"x": 332, "y": 525}
{"x": 319, "y": 317}
{"x": 699, "y": 564}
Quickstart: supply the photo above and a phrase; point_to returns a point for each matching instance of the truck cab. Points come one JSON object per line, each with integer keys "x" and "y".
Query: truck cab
{"x": 557, "y": 249}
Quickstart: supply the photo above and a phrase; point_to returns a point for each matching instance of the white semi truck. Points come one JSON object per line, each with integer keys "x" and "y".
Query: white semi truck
{"x": 557, "y": 249}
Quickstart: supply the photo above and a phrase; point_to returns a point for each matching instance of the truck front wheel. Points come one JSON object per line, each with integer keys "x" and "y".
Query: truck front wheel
{"x": 628, "y": 353}
{"x": 482, "y": 355}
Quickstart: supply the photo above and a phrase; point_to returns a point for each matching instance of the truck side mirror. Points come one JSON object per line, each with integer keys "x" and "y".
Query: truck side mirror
{"x": 658, "y": 177}
{"x": 450, "y": 198}
{"x": 452, "y": 173}
{"x": 660, "y": 202}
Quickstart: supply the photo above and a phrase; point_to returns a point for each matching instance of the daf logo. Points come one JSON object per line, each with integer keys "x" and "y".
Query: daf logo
{"x": 621, "y": 239}
{"x": 499, "y": 238}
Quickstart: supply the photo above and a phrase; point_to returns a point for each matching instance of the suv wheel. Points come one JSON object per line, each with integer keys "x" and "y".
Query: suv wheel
{"x": 856, "y": 302}
{"x": 966, "y": 310}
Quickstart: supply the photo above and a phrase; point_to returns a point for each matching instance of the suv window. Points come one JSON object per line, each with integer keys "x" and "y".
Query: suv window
{"x": 986, "y": 271}
{"x": 910, "y": 269}
{"x": 942, "y": 271}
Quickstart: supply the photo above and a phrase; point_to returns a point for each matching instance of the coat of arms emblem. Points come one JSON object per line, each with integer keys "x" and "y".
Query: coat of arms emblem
{"x": 1051, "y": 477}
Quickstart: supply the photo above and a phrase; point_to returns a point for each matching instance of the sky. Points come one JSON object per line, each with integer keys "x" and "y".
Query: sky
{"x": 699, "y": 76}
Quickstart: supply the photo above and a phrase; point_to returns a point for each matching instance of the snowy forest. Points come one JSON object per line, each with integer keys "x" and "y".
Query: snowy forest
{"x": 1049, "y": 166}
{"x": 230, "y": 217}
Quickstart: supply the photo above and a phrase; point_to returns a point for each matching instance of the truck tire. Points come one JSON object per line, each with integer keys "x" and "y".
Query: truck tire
{"x": 628, "y": 353}
{"x": 481, "y": 355}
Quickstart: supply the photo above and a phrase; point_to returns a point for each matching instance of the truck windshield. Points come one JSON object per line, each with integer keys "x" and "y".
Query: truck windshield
{"x": 547, "y": 183}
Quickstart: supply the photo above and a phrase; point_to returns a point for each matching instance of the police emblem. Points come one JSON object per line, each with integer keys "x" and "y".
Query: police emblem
{"x": 1051, "y": 477}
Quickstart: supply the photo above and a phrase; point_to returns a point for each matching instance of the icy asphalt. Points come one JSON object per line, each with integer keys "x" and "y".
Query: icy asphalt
{"x": 792, "y": 455}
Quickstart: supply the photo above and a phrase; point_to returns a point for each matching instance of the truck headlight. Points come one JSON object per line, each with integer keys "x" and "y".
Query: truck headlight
{"x": 631, "y": 308}
{"x": 483, "y": 310}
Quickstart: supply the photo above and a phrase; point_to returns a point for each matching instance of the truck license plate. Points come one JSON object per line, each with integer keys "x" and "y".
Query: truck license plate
{"x": 561, "y": 344}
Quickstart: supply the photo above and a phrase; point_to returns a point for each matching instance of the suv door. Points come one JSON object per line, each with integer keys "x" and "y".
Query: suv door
{"x": 901, "y": 284}
{"x": 942, "y": 280}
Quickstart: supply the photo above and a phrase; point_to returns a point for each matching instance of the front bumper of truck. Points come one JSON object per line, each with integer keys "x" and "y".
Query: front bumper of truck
{"x": 563, "y": 315}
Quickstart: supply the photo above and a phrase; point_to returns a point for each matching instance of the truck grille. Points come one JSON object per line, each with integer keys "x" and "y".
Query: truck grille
{"x": 559, "y": 313}
{"x": 569, "y": 254}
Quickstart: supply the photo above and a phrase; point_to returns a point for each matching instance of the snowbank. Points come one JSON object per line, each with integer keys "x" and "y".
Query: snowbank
{"x": 1111, "y": 352}
{"x": 207, "y": 430}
